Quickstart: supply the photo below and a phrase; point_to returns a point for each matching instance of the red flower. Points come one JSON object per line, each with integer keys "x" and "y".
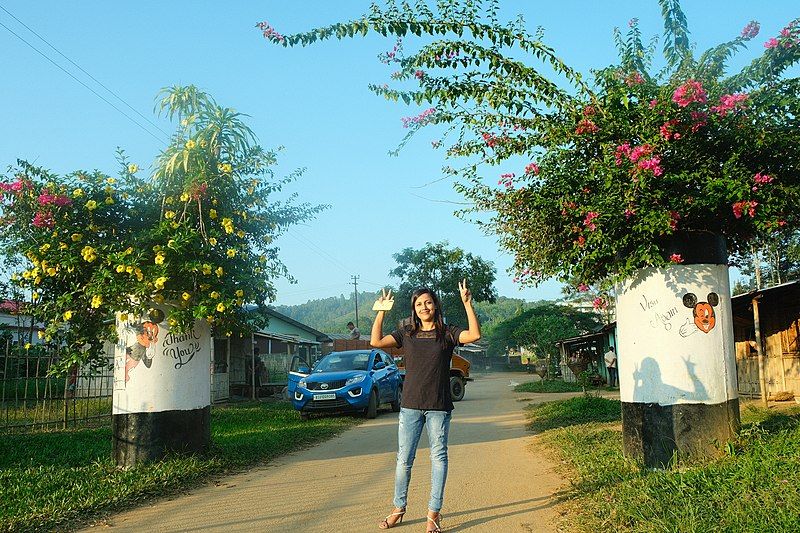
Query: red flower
{"x": 676, "y": 258}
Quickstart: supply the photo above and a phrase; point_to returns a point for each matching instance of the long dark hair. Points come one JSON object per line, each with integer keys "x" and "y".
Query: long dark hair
{"x": 416, "y": 323}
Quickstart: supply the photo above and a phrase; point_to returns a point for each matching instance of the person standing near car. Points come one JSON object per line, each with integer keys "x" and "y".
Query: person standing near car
{"x": 354, "y": 332}
{"x": 428, "y": 345}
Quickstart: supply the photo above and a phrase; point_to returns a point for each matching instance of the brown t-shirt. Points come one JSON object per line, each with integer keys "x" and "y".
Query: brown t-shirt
{"x": 427, "y": 360}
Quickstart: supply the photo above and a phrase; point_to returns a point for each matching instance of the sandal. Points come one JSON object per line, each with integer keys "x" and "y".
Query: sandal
{"x": 389, "y": 525}
{"x": 437, "y": 524}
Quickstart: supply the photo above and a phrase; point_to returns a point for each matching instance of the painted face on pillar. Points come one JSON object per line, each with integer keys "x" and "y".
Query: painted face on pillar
{"x": 148, "y": 334}
{"x": 424, "y": 307}
{"x": 704, "y": 317}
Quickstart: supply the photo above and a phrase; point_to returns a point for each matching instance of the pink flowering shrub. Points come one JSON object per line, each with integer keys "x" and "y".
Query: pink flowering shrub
{"x": 626, "y": 155}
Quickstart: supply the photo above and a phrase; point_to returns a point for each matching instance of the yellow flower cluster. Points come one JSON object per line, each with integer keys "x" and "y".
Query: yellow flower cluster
{"x": 133, "y": 168}
{"x": 97, "y": 301}
{"x": 91, "y": 205}
{"x": 225, "y": 168}
{"x": 159, "y": 283}
{"x": 160, "y": 256}
{"x": 227, "y": 223}
{"x": 88, "y": 254}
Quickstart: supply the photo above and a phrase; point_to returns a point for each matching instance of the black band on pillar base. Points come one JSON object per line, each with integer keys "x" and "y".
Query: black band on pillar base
{"x": 146, "y": 437}
{"x": 653, "y": 432}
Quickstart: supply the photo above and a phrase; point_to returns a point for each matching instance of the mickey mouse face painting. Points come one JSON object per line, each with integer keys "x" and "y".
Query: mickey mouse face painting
{"x": 704, "y": 317}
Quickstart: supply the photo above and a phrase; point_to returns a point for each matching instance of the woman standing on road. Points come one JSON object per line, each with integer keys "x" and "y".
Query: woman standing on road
{"x": 428, "y": 344}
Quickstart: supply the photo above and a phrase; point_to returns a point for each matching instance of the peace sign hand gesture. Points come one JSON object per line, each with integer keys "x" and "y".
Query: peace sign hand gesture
{"x": 384, "y": 302}
{"x": 466, "y": 295}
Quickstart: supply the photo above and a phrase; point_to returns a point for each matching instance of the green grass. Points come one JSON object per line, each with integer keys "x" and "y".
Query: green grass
{"x": 55, "y": 480}
{"x": 579, "y": 410}
{"x": 548, "y": 386}
{"x": 753, "y": 486}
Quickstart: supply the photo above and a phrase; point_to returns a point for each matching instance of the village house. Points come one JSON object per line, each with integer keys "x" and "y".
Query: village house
{"x": 773, "y": 314}
{"x": 245, "y": 364}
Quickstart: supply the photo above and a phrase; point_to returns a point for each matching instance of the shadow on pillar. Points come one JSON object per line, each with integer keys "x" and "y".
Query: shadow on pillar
{"x": 654, "y": 433}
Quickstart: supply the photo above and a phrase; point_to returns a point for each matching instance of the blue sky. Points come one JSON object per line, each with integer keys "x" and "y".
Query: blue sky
{"x": 313, "y": 101}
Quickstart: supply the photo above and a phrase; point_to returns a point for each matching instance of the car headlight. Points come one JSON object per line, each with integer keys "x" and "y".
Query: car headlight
{"x": 355, "y": 379}
{"x": 302, "y": 383}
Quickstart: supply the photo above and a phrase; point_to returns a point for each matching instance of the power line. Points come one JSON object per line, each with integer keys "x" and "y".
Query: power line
{"x": 98, "y": 82}
{"x": 320, "y": 251}
{"x": 68, "y": 73}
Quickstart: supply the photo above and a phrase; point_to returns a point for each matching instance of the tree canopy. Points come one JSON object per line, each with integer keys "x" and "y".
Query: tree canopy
{"x": 585, "y": 175}
{"x": 440, "y": 268}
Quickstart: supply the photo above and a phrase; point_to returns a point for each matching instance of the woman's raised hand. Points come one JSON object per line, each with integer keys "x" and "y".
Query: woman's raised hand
{"x": 384, "y": 302}
{"x": 466, "y": 295}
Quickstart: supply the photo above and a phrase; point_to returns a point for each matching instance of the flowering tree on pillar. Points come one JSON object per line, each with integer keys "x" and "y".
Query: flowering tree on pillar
{"x": 196, "y": 236}
{"x": 594, "y": 176}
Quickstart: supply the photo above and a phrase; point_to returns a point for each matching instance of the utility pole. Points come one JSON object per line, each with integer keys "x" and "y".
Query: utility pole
{"x": 355, "y": 287}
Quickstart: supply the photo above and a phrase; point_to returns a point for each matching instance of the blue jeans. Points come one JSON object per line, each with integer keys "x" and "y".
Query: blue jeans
{"x": 408, "y": 434}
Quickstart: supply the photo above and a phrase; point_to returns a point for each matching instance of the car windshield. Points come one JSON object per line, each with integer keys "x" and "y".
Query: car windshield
{"x": 339, "y": 362}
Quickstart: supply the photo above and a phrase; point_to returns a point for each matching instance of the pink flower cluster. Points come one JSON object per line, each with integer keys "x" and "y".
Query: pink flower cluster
{"x": 674, "y": 218}
{"x": 45, "y": 198}
{"x": 15, "y": 187}
{"x": 586, "y": 126}
{"x": 762, "y": 179}
{"x": 589, "y": 110}
{"x": 44, "y": 220}
{"x": 599, "y": 303}
{"x": 522, "y": 275}
{"x": 583, "y": 287}
{"x": 699, "y": 119}
{"x": 506, "y": 180}
{"x": 667, "y": 130}
{"x": 691, "y": 91}
{"x": 419, "y": 74}
{"x": 751, "y": 30}
{"x": 420, "y": 120}
{"x": 641, "y": 156}
{"x": 740, "y": 207}
{"x": 567, "y": 205}
{"x": 270, "y": 33}
{"x": 730, "y": 102}
{"x": 676, "y": 258}
{"x": 199, "y": 191}
{"x": 789, "y": 37}
{"x": 634, "y": 78}
{"x": 532, "y": 168}
{"x": 588, "y": 220}
{"x": 629, "y": 213}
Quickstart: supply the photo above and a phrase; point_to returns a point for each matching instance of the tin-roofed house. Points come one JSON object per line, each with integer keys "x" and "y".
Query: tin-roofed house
{"x": 246, "y": 366}
{"x": 776, "y": 311}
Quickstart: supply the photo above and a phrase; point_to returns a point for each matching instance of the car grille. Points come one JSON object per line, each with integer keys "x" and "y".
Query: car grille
{"x": 332, "y": 385}
{"x": 338, "y": 403}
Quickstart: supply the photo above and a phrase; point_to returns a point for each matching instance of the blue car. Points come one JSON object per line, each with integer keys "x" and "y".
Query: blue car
{"x": 352, "y": 381}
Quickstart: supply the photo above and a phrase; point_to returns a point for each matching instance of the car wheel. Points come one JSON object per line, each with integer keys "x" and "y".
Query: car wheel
{"x": 456, "y": 388}
{"x": 396, "y": 403}
{"x": 304, "y": 415}
{"x": 372, "y": 406}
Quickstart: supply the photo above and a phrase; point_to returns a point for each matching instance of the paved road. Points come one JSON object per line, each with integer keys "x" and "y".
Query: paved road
{"x": 496, "y": 481}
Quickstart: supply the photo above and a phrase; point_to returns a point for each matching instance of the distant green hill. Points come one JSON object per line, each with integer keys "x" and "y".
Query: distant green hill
{"x": 331, "y": 315}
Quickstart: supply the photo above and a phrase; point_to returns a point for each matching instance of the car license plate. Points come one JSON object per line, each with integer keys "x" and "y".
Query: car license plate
{"x": 326, "y": 396}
